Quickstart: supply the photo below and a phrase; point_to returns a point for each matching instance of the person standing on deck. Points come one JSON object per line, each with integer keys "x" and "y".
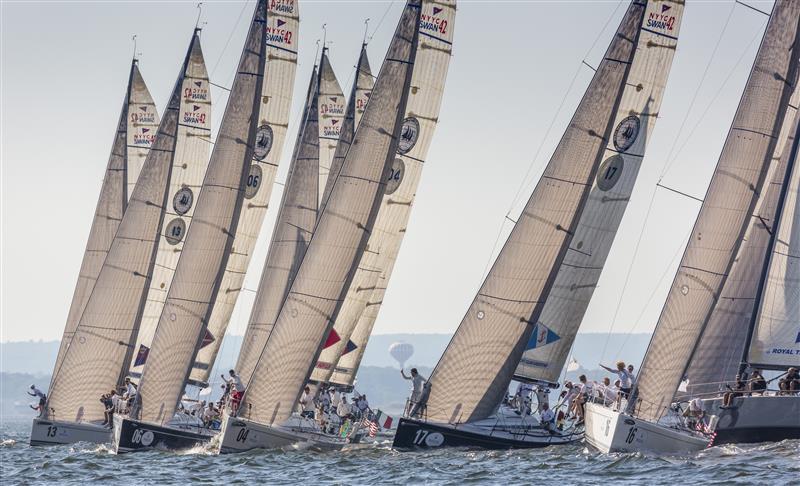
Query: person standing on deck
{"x": 625, "y": 378}
{"x": 35, "y": 392}
{"x": 236, "y": 389}
{"x": 416, "y": 387}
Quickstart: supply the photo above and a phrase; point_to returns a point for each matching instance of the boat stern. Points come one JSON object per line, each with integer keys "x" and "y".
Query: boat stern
{"x": 607, "y": 430}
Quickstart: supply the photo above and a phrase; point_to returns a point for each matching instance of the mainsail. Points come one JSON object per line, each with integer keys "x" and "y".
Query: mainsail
{"x": 283, "y": 22}
{"x": 725, "y": 215}
{"x": 96, "y": 358}
{"x": 136, "y": 131}
{"x": 188, "y": 168}
{"x": 554, "y": 332}
{"x": 339, "y": 239}
{"x": 293, "y": 228}
{"x": 375, "y": 268}
{"x": 718, "y": 355}
{"x": 473, "y": 375}
{"x": 209, "y": 241}
{"x": 776, "y": 338}
{"x": 331, "y": 111}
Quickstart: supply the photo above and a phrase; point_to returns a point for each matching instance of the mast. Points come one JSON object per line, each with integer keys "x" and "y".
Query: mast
{"x": 771, "y": 247}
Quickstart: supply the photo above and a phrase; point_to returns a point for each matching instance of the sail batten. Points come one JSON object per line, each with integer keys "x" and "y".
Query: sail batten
{"x": 724, "y": 217}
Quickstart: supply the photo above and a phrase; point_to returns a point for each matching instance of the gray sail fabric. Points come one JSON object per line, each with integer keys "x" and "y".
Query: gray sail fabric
{"x": 419, "y": 123}
{"x": 475, "y": 370}
{"x": 95, "y": 360}
{"x": 136, "y": 131}
{"x": 725, "y": 214}
{"x": 189, "y": 166}
{"x": 331, "y": 106}
{"x": 181, "y": 329}
{"x": 359, "y": 95}
{"x": 283, "y": 23}
{"x": 716, "y": 360}
{"x": 776, "y": 337}
{"x": 293, "y": 229}
{"x": 554, "y": 332}
{"x": 339, "y": 239}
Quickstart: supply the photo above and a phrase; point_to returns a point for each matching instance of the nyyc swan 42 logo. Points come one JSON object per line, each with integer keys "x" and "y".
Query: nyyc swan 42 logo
{"x": 332, "y": 130}
{"x": 195, "y": 116}
{"x": 196, "y": 92}
{"x": 434, "y": 22}
{"x": 282, "y": 6}
{"x": 279, "y": 33}
{"x": 661, "y": 19}
{"x": 333, "y": 105}
{"x": 143, "y": 115}
{"x": 145, "y": 138}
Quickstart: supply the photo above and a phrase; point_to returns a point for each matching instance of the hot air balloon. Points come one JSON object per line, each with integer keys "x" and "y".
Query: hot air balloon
{"x": 401, "y": 351}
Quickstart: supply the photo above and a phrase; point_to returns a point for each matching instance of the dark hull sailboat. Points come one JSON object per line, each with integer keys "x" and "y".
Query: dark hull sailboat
{"x": 132, "y": 435}
{"x": 753, "y": 419}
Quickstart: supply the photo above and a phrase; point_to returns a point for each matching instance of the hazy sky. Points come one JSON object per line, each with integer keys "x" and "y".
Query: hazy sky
{"x": 65, "y": 66}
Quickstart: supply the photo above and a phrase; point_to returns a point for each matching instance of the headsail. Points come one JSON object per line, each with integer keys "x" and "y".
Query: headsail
{"x": 136, "y": 131}
{"x": 473, "y": 375}
{"x": 283, "y": 22}
{"x": 209, "y": 241}
{"x": 725, "y": 214}
{"x": 419, "y": 123}
{"x": 96, "y": 357}
{"x": 191, "y": 160}
{"x": 553, "y": 334}
{"x": 339, "y": 239}
{"x": 293, "y": 228}
{"x": 718, "y": 355}
{"x": 331, "y": 106}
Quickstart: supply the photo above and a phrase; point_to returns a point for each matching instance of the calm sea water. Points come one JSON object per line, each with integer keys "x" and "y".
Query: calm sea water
{"x": 777, "y": 463}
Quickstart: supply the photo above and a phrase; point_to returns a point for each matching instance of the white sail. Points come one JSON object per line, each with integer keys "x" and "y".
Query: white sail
{"x": 210, "y": 240}
{"x": 135, "y": 133}
{"x": 473, "y": 375}
{"x": 419, "y": 123}
{"x": 189, "y": 166}
{"x": 98, "y": 353}
{"x": 331, "y": 107}
{"x": 339, "y": 239}
{"x": 550, "y": 343}
{"x": 283, "y": 22}
{"x": 776, "y": 338}
{"x": 725, "y": 214}
{"x": 293, "y": 228}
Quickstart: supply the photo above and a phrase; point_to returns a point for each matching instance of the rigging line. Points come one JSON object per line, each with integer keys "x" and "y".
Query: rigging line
{"x": 227, "y": 42}
{"x": 219, "y": 86}
{"x": 658, "y": 184}
{"x": 697, "y": 90}
{"x": 753, "y": 8}
{"x": 388, "y": 8}
{"x": 711, "y": 103}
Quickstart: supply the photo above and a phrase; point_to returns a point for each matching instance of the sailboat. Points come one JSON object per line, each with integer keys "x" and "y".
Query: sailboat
{"x": 719, "y": 259}
{"x": 296, "y": 217}
{"x": 365, "y": 295}
{"x": 545, "y": 274}
{"x": 96, "y": 356}
{"x": 265, "y": 418}
{"x": 207, "y": 247}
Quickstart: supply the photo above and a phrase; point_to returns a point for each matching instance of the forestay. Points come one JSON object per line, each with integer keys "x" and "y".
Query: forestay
{"x": 283, "y": 22}
{"x": 293, "y": 229}
{"x": 339, "y": 239}
{"x": 432, "y": 60}
{"x": 331, "y": 111}
{"x": 209, "y": 241}
{"x": 135, "y": 132}
{"x": 473, "y": 375}
{"x": 97, "y": 356}
{"x": 553, "y": 334}
{"x": 725, "y": 214}
{"x": 717, "y": 359}
{"x": 191, "y": 160}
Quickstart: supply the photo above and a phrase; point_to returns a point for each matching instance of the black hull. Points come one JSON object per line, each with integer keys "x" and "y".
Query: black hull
{"x": 413, "y": 434}
{"x": 133, "y": 436}
{"x": 748, "y": 435}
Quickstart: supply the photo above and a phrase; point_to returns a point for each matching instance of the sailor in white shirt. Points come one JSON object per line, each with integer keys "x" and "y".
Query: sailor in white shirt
{"x": 607, "y": 392}
{"x": 307, "y": 403}
{"x": 625, "y": 377}
{"x": 416, "y": 384}
{"x": 234, "y": 381}
{"x": 343, "y": 410}
{"x": 547, "y": 417}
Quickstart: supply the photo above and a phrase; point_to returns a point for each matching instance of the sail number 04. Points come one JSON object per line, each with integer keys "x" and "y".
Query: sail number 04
{"x": 242, "y": 435}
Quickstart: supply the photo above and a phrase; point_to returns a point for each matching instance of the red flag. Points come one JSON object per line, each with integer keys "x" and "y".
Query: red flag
{"x": 333, "y": 338}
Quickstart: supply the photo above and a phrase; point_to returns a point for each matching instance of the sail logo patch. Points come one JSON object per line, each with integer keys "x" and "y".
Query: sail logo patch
{"x": 143, "y": 116}
{"x": 194, "y": 116}
{"x": 332, "y": 108}
{"x": 146, "y": 138}
{"x": 409, "y": 133}
{"x": 282, "y": 6}
{"x": 432, "y": 23}
{"x": 661, "y": 19}
{"x": 542, "y": 336}
{"x": 278, "y": 34}
{"x": 195, "y": 94}
{"x": 361, "y": 101}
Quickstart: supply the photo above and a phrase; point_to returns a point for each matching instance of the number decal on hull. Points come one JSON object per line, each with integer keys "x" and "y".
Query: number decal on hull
{"x": 631, "y": 435}
{"x": 429, "y": 439}
{"x": 242, "y": 435}
{"x": 51, "y": 431}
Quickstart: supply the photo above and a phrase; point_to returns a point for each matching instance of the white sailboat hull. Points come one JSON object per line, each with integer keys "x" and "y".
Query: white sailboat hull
{"x": 239, "y": 435}
{"x": 52, "y": 432}
{"x": 611, "y": 431}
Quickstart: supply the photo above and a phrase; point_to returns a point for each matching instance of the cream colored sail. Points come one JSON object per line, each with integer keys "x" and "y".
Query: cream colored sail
{"x": 188, "y": 169}
{"x": 331, "y": 107}
{"x": 136, "y": 131}
{"x": 419, "y": 124}
{"x": 338, "y": 241}
{"x": 98, "y": 354}
{"x": 283, "y": 23}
